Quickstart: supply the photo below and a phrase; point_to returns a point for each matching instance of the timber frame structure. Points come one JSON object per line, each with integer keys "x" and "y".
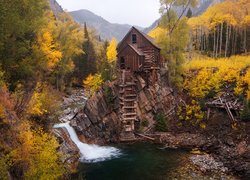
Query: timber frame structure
{"x": 137, "y": 54}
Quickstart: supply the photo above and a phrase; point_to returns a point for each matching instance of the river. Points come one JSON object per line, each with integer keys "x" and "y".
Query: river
{"x": 124, "y": 161}
{"x": 138, "y": 161}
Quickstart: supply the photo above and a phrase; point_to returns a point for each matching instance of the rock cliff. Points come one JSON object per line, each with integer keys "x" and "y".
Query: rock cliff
{"x": 99, "y": 121}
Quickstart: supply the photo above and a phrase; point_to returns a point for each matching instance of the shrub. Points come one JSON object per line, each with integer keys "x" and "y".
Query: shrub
{"x": 160, "y": 122}
{"x": 245, "y": 114}
{"x": 145, "y": 123}
{"x": 108, "y": 94}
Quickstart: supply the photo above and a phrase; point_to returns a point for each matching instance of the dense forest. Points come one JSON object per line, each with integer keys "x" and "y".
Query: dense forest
{"x": 42, "y": 56}
{"x": 45, "y": 55}
{"x": 206, "y": 55}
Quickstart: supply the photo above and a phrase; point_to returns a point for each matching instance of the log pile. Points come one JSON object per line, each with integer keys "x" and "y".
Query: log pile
{"x": 228, "y": 102}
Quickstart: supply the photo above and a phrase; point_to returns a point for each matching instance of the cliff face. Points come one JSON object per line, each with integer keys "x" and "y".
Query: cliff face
{"x": 68, "y": 147}
{"x": 99, "y": 121}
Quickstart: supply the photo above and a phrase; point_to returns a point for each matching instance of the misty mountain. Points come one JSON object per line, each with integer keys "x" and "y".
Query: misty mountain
{"x": 106, "y": 29}
{"x": 55, "y": 7}
{"x": 201, "y": 7}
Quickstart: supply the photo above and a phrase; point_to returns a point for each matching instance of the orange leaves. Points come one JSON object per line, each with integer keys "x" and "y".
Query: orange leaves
{"x": 5, "y": 98}
{"x": 38, "y": 153}
{"x": 246, "y": 20}
{"x": 50, "y": 49}
{"x": 47, "y": 50}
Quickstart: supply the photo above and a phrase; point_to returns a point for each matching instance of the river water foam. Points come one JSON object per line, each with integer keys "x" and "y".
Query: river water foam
{"x": 90, "y": 152}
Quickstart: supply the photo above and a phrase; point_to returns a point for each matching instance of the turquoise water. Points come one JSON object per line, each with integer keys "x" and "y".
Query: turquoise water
{"x": 138, "y": 161}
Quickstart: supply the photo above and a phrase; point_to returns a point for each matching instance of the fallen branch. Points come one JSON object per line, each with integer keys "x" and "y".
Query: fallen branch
{"x": 144, "y": 136}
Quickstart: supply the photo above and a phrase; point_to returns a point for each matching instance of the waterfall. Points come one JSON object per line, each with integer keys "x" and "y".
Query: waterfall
{"x": 90, "y": 153}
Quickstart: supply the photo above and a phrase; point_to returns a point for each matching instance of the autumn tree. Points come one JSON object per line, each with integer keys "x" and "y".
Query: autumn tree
{"x": 37, "y": 154}
{"x": 70, "y": 37}
{"x": 174, "y": 26}
{"x": 222, "y": 29}
{"x": 108, "y": 71}
{"x": 92, "y": 83}
{"x": 111, "y": 51}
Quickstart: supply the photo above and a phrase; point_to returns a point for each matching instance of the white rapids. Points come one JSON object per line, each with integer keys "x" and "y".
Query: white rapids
{"x": 90, "y": 152}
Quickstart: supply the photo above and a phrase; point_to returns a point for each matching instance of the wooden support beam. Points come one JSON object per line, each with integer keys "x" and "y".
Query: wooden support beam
{"x": 229, "y": 112}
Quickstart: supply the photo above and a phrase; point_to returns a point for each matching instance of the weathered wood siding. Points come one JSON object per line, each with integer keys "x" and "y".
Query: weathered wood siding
{"x": 144, "y": 54}
{"x": 141, "y": 41}
{"x": 133, "y": 61}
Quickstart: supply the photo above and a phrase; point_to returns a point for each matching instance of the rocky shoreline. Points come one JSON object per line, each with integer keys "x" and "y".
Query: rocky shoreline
{"x": 223, "y": 156}
{"x": 226, "y": 158}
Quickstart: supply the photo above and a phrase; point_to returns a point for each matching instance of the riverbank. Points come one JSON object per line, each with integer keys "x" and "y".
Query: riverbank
{"x": 226, "y": 150}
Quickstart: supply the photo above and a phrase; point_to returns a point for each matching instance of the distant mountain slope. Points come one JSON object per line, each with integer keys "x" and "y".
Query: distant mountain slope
{"x": 55, "y": 7}
{"x": 202, "y": 7}
{"x": 106, "y": 29}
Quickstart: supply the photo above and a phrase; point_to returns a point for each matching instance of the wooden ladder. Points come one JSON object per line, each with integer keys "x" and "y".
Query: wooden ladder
{"x": 127, "y": 97}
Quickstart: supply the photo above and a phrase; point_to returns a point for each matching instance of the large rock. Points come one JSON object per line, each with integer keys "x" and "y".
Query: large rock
{"x": 68, "y": 147}
{"x": 99, "y": 120}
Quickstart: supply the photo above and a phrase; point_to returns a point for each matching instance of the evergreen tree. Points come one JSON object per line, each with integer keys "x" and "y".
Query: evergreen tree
{"x": 90, "y": 55}
{"x": 189, "y": 13}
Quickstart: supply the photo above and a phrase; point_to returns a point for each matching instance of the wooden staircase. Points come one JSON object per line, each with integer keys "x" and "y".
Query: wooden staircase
{"x": 128, "y": 97}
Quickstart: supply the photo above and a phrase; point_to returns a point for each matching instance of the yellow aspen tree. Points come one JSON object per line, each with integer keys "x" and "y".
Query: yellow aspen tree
{"x": 111, "y": 51}
{"x": 92, "y": 83}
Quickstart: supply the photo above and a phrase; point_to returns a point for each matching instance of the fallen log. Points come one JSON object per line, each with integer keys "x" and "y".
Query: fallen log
{"x": 144, "y": 136}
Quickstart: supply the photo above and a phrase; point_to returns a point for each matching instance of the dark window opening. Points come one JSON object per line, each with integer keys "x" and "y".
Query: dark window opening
{"x": 122, "y": 63}
{"x": 134, "y": 38}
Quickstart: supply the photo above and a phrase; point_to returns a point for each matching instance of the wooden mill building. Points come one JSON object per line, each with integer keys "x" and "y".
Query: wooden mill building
{"x": 137, "y": 54}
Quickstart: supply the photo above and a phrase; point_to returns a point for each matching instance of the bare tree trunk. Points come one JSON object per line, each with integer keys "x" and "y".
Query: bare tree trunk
{"x": 221, "y": 30}
{"x": 235, "y": 41}
{"x": 190, "y": 46}
{"x": 204, "y": 43}
{"x": 201, "y": 39}
{"x": 196, "y": 39}
{"x": 214, "y": 43}
{"x": 230, "y": 39}
{"x": 217, "y": 41}
{"x": 226, "y": 46}
{"x": 245, "y": 39}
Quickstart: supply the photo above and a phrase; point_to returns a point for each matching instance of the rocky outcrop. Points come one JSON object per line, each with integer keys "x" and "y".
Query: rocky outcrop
{"x": 224, "y": 154}
{"x": 68, "y": 147}
{"x": 99, "y": 120}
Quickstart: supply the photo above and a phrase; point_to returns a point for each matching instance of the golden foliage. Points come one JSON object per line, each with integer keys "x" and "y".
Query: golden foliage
{"x": 192, "y": 113}
{"x": 111, "y": 51}
{"x": 44, "y": 100}
{"x": 38, "y": 151}
{"x": 154, "y": 33}
{"x": 212, "y": 73}
{"x": 234, "y": 13}
{"x": 92, "y": 83}
{"x": 49, "y": 48}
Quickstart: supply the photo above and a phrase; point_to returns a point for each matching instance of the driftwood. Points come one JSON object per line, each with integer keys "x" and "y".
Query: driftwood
{"x": 145, "y": 136}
